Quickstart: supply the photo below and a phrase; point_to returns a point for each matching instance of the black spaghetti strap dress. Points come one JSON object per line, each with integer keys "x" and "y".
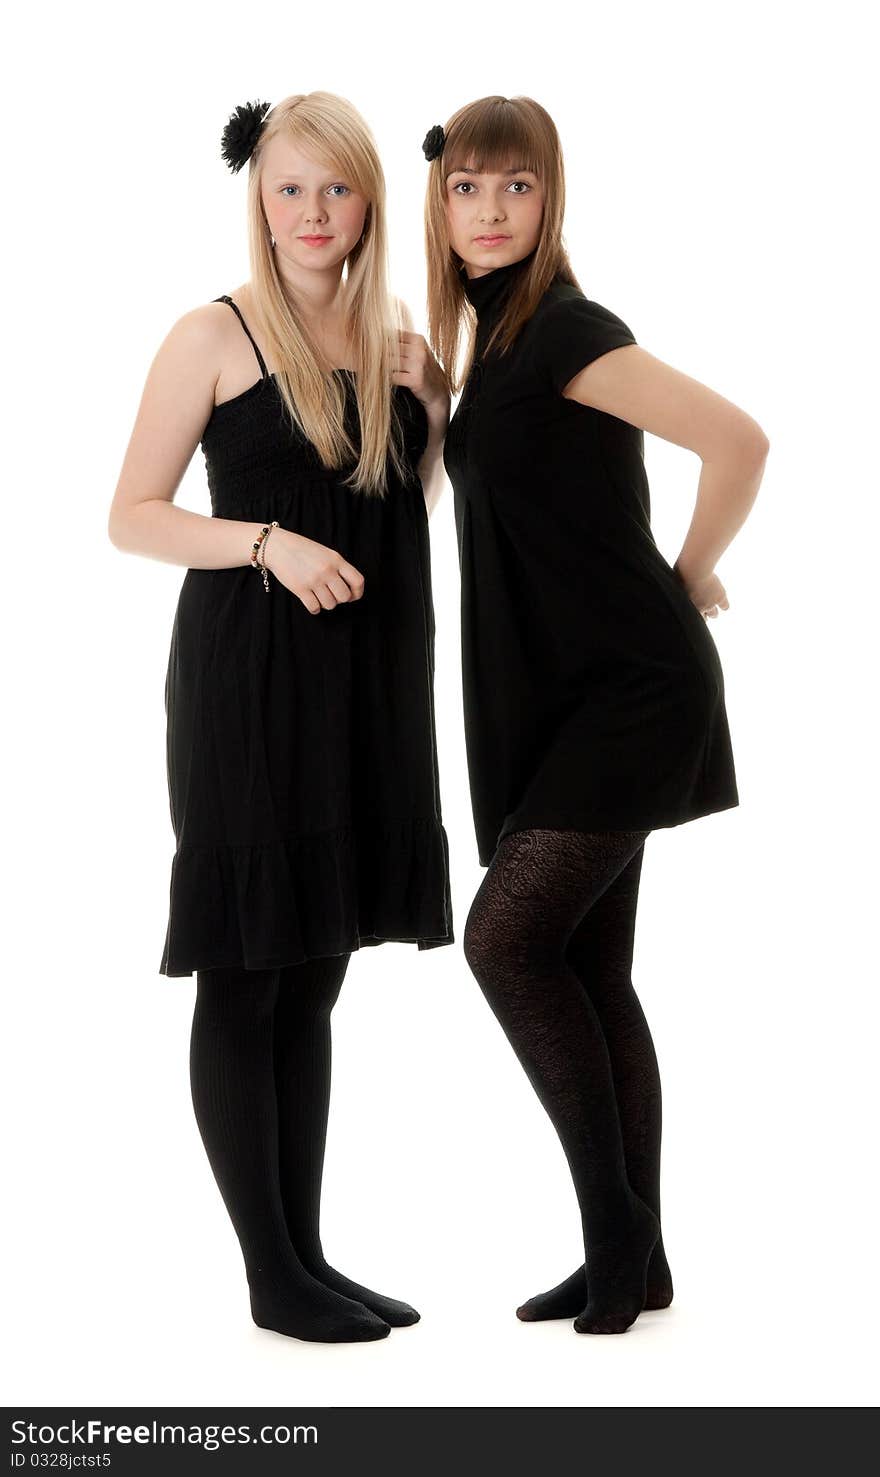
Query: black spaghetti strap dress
{"x": 593, "y": 691}
{"x": 301, "y": 751}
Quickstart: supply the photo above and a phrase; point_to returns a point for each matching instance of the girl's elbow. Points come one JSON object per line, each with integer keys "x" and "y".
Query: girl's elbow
{"x": 750, "y": 444}
{"x": 114, "y": 531}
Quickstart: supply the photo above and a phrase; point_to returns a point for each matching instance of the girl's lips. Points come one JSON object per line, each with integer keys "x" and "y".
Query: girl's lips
{"x": 490, "y": 240}
{"x": 315, "y": 240}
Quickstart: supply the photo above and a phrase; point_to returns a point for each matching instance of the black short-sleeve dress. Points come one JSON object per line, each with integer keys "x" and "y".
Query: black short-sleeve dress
{"x": 593, "y": 690}
{"x": 301, "y": 754}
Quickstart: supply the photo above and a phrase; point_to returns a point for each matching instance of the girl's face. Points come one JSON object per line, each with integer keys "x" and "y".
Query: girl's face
{"x": 493, "y": 219}
{"x": 314, "y": 213}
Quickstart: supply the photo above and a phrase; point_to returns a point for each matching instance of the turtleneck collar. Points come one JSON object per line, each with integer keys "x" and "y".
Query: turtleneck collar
{"x": 488, "y": 294}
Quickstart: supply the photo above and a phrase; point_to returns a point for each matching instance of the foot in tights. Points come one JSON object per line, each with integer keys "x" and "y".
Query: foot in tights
{"x": 233, "y": 1092}
{"x": 537, "y": 891}
{"x": 307, "y": 994}
{"x": 601, "y": 954}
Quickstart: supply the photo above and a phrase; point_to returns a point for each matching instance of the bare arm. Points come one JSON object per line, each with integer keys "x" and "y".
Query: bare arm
{"x": 636, "y": 387}
{"x": 419, "y": 370}
{"x": 430, "y": 468}
{"x": 176, "y": 404}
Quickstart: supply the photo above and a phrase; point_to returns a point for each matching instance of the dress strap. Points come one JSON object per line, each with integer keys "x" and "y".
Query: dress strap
{"x": 224, "y": 298}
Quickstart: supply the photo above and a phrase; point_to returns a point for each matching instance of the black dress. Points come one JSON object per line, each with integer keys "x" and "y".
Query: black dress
{"x": 593, "y": 690}
{"x": 301, "y": 753}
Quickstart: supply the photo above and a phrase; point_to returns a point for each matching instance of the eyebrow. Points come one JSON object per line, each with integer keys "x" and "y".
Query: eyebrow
{"x": 290, "y": 178}
{"x": 518, "y": 169}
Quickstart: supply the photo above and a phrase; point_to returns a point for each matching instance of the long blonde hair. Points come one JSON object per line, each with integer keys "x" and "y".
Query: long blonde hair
{"x": 494, "y": 133}
{"x": 330, "y": 129}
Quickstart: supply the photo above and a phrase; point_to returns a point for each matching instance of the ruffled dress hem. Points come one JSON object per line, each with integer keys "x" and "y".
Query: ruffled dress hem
{"x": 277, "y": 904}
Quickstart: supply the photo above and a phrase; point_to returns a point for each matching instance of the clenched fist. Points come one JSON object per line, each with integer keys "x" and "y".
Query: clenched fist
{"x": 320, "y": 577}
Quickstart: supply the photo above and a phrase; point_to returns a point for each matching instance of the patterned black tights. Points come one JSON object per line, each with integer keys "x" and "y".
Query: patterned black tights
{"x": 550, "y": 938}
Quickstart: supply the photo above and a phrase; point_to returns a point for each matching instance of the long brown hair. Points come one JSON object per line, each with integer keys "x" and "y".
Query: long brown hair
{"x": 494, "y": 133}
{"x": 330, "y": 129}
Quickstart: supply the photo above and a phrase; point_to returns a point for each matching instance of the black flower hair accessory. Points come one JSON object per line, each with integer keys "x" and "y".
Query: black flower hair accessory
{"x": 432, "y": 146}
{"x": 241, "y": 133}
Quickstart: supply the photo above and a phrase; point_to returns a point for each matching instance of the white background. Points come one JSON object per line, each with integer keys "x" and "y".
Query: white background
{"x": 718, "y": 165}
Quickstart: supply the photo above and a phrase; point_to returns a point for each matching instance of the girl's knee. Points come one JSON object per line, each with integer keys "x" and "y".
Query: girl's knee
{"x": 237, "y": 994}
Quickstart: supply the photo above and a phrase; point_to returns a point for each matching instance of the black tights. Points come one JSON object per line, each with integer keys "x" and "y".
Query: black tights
{"x": 550, "y": 939}
{"x": 260, "y": 1077}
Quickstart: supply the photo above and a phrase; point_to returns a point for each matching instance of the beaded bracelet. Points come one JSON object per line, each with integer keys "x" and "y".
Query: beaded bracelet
{"x": 256, "y": 561}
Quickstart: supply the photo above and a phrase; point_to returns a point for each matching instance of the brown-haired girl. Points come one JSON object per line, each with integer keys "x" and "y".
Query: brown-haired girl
{"x": 302, "y": 763}
{"x": 594, "y": 695}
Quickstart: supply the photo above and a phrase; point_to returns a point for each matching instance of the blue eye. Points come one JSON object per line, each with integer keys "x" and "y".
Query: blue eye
{"x": 344, "y": 188}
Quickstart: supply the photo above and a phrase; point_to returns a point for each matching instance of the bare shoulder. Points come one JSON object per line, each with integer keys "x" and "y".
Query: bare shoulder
{"x": 213, "y": 324}
{"x": 206, "y": 346}
{"x": 175, "y": 406}
{"x": 203, "y": 329}
{"x": 194, "y": 343}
